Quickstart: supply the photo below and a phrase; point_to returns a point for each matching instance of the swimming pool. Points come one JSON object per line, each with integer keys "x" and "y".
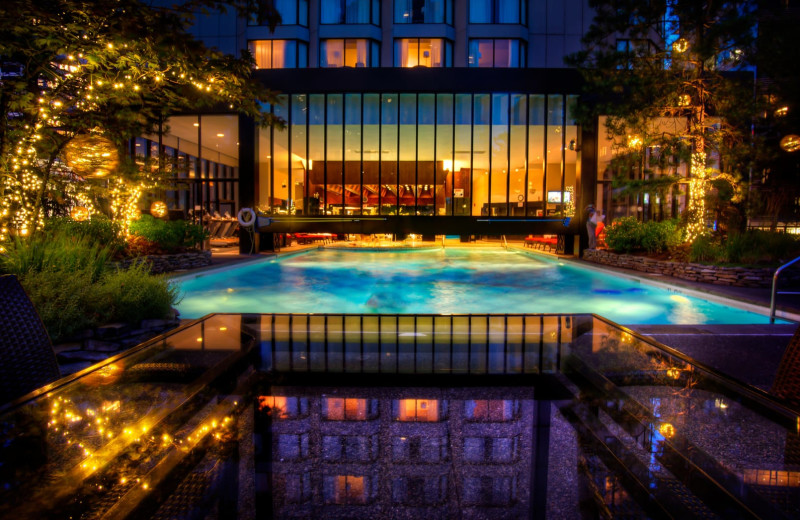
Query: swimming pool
{"x": 442, "y": 281}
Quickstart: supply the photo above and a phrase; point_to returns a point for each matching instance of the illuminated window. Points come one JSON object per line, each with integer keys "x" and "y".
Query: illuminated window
{"x": 496, "y": 53}
{"x": 767, "y": 477}
{"x": 339, "y": 409}
{"x": 345, "y": 489}
{"x": 497, "y": 11}
{"x": 279, "y": 407}
{"x": 418, "y": 410}
{"x": 423, "y": 11}
{"x": 490, "y": 410}
{"x": 348, "y": 53}
{"x": 350, "y": 11}
{"x": 279, "y": 54}
{"x": 422, "y": 52}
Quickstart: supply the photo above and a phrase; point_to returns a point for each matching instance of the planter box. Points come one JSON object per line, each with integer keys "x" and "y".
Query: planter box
{"x": 760, "y": 277}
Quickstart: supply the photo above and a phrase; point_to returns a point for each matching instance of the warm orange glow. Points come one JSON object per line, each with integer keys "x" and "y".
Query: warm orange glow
{"x": 667, "y": 430}
{"x": 767, "y": 477}
{"x": 419, "y": 410}
{"x": 79, "y": 213}
{"x": 492, "y": 410}
{"x": 349, "y": 490}
{"x": 339, "y": 409}
{"x": 276, "y": 404}
{"x": 158, "y": 209}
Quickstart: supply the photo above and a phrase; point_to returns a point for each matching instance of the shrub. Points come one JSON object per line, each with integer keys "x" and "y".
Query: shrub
{"x": 56, "y": 253}
{"x": 657, "y": 237}
{"x": 60, "y": 297}
{"x": 134, "y": 294}
{"x": 754, "y": 247}
{"x": 98, "y": 230}
{"x": 707, "y": 249}
{"x": 169, "y": 235}
{"x": 624, "y": 235}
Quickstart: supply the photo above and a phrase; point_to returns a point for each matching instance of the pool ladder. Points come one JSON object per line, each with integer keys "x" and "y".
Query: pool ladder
{"x": 774, "y": 289}
{"x": 505, "y": 242}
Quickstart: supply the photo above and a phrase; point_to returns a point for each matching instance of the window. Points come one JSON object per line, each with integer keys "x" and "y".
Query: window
{"x": 417, "y": 410}
{"x": 279, "y": 54}
{"x": 345, "y": 489}
{"x": 348, "y": 53}
{"x": 423, "y": 52}
{"x": 292, "y": 447}
{"x": 419, "y": 491}
{"x": 496, "y": 53}
{"x": 350, "y": 11}
{"x": 423, "y": 11}
{"x": 424, "y": 449}
{"x": 499, "y": 410}
{"x": 293, "y": 12}
{"x": 497, "y": 11}
{"x": 339, "y": 409}
{"x": 351, "y": 448}
{"x": 279, "y": 407}
{"x": 490, "y": 449}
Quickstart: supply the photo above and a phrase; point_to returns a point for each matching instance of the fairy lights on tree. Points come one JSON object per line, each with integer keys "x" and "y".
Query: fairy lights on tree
{"x": 80, "y": 79}
{"x": 665, "y": 72}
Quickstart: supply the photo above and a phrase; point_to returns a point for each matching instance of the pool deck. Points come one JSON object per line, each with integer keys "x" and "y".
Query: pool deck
{"x": 749, "y": 353}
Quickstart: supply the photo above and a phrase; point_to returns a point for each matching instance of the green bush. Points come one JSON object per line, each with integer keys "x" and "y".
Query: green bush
{"x": 98, "y": 230}
{"x": 749, "y": 248}
{"x": 134, "y": 294}
{"x": 72, "y": 287}
{"x": 657, "y": 237}
{"x": 169, "y": 235}
{"x": 707, "y": 249}
{"x": 624, "y": 235}
{"x": 63, "y": 299}
{"x": 55, "y": 253}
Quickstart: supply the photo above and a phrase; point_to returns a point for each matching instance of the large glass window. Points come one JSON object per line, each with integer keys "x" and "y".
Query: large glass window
{"x": 423, "y": 52}
{"x": 496, "y": 53}
{"x": 350, "y": 11}
{"x": 348, "y": 53}
{"x": 293, "y": 12}
{"x": 423, "y": 11}
{"x": 497, "y": 11}
{"x": 279, "y": 54}
{"x": 498, "y": 154}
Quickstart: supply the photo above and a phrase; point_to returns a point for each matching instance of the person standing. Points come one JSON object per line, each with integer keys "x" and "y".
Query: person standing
{"x": 591, "y": 226}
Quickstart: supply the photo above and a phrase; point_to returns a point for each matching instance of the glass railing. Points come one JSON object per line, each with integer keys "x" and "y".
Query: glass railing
{"x": 313, "y": 416}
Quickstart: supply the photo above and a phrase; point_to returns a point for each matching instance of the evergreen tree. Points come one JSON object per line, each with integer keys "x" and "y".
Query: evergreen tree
{"x": 664, "y": 72}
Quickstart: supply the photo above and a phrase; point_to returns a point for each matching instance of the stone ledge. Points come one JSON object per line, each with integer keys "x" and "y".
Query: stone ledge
{"x": 168, "y": 263}
{"x": 759, "y": 277}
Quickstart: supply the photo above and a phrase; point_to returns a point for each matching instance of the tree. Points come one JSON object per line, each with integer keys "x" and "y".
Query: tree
{"x": 84, "y": 77}
{"x": 664, "y": 74}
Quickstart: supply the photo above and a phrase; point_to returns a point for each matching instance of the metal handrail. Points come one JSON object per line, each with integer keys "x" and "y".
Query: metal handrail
{"x": 505, "y": 242}
{"x": 774, "y": 288}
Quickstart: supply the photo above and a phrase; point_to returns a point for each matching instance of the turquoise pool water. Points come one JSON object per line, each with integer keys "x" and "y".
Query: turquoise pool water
{"x": 453, "y": 280}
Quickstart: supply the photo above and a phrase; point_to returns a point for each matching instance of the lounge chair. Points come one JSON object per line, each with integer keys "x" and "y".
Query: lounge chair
{"x": 27, "y": 359}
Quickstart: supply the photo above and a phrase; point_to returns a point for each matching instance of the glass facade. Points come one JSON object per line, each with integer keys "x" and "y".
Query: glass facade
{"x": 423, "y": 11}
{"x": 497, "y": 11}
{"x": 350, "y": 12}
{"x": 498, "y": 154}
{"x": 423, "y": 52}
{"x": 202, "y": 153}
{"x": 498, "y": 53}
{"x": 348, "y": 53}
{"x": 279, "y": 54}
{"x": 293, "y": 12}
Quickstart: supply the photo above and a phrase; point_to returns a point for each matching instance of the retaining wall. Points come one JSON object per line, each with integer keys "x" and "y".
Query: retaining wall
{"x": 719, "y": 275}
{"x": 168, "y": 263}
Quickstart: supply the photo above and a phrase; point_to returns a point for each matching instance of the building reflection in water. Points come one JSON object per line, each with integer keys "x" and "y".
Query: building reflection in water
{"x": 367, "y": 452}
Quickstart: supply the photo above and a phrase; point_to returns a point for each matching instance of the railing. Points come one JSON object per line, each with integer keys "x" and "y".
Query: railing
{"x": 413, "y": 344}
{"x": 505, "y": 242}
{"x": 775, "y": 287}
{"x": 443, "y": 237}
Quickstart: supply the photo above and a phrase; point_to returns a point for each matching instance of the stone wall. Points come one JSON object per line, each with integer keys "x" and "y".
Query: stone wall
{"x": 719, "y": 275}
{"x": 168, "y": 263}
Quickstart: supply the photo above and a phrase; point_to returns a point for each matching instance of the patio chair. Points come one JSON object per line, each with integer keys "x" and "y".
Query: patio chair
{"x": 27, "y": 359}
{"x": 787, "y": 380}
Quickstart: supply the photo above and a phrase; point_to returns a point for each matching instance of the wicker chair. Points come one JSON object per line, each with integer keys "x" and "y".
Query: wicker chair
{"x": 27, "y": 360}
{"x": 787, "y": 380}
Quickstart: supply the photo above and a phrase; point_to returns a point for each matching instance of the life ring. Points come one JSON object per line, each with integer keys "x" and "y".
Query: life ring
{"x": 246, "y": 217}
